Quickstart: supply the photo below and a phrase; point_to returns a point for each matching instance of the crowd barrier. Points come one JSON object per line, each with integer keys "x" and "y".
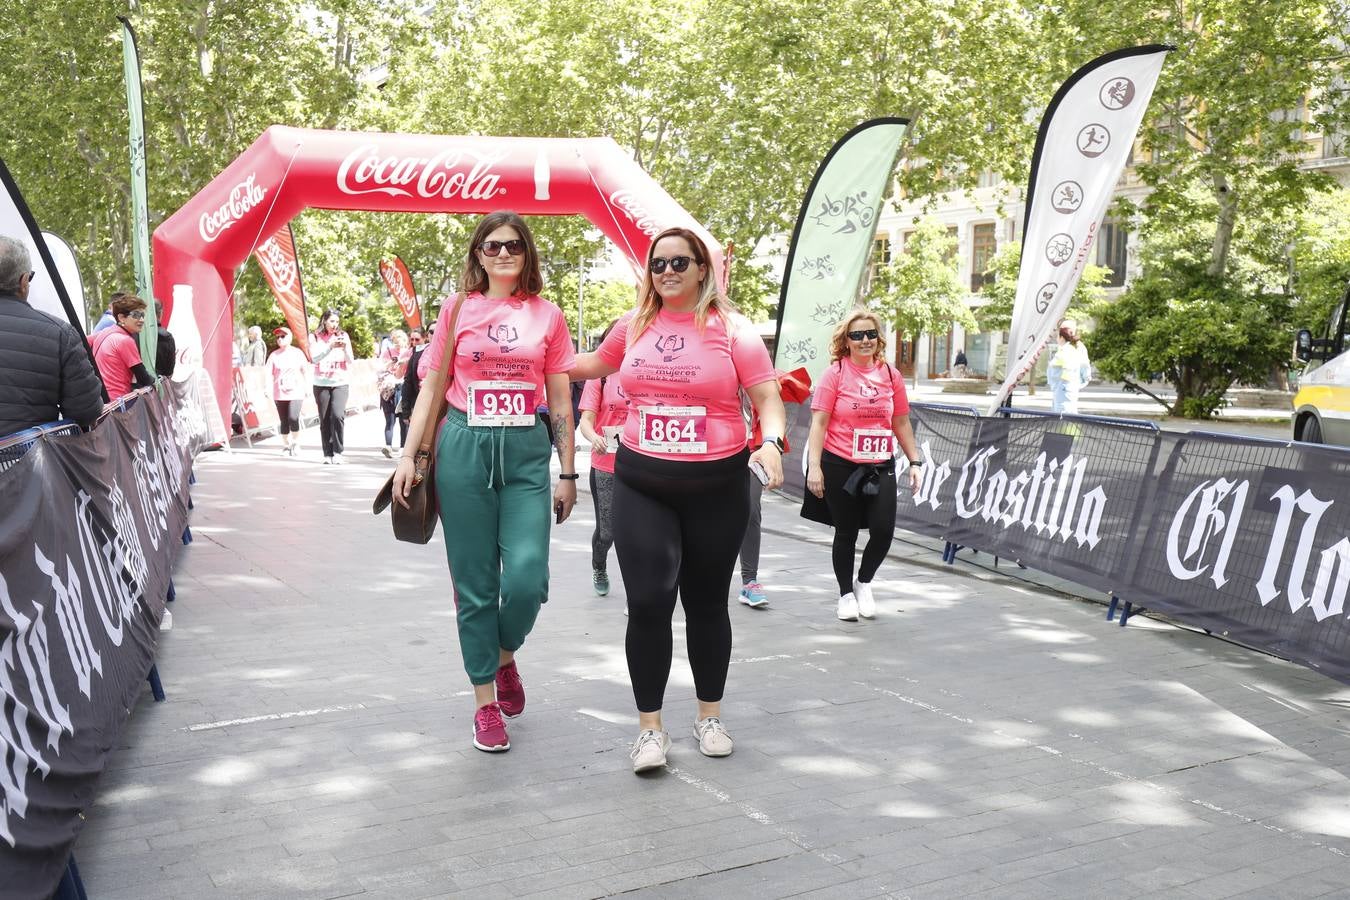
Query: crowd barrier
{"x": 89, "y": 523}
{"x": 1244, "y": 537}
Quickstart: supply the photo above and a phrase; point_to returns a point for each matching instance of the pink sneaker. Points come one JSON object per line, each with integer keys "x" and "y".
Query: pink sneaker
{"x": 489, "y": 731}
{"x": 510, "y": 690}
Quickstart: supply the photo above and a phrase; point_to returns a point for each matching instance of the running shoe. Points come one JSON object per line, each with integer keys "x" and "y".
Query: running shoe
{"x": 388, "y": 452}
{"x": 328, "y": 460}
{"x": 510, "y": 690}
{"x": 867, "y": 607}
{"x": 848, "y": 608}
{"x": 489, "y": 731}
{"x": 752, "y": 595}
{"x": 338, "y": 460}
{"x": 713, "y": 739}
{"x": 649, "y": 750}
{"x": 600, "y": 579}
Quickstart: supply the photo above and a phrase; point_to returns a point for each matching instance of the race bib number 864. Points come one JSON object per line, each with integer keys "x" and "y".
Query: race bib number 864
{"x": 673, "y": 429}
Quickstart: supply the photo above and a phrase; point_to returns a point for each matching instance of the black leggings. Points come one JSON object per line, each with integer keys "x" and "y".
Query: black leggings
{"x": 678, "y": 528}
{"x": 851, "y": 514}
{"x": 332, "y": 403}
{"x": 288, "y": 411}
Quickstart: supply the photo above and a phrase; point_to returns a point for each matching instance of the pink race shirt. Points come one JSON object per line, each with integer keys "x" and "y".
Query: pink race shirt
{"x": 503, "y": 350}
{"x": 611, "y": 413}
{"x": 861, "y": 404}
{"x": 287, "y": 367}
{"x": 116, "y": 352}
{"x": 683, "y": 386}
{"x": 331, "y": 360}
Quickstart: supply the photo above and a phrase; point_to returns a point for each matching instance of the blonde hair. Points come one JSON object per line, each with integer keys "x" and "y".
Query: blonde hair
{"x": 839, "y": 339}
{"x": 709, "y": 296}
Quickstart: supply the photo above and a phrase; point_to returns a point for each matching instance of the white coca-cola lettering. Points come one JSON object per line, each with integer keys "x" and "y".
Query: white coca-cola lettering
{"x": 393, "y": 279}
{"x": 456, "y": 172}
{"x": 631, "y": 207}
{"x": 279, "y": 265}
{"x": 243, "y": 197}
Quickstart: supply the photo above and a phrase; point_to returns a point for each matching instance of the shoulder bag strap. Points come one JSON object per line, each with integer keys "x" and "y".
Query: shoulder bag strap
{"x": 444, "y": 376}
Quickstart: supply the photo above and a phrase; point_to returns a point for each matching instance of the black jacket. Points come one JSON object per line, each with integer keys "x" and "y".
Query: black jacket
{"x": 166, "y": 353}
{"x": 45, "y": 372}
{"x": 412, "y": 385}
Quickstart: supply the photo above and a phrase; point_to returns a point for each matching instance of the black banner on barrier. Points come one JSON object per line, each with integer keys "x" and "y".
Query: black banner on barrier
{"x": 1243, "y": 537}
{"x": 88, "y": 528}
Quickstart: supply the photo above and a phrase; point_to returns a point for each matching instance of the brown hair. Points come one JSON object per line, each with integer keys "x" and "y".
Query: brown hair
{"x": 709, "y": 296}
{"x": 839, "y": 339}
{"x": 126, "y": 304}
{"x": 475, "y": 276}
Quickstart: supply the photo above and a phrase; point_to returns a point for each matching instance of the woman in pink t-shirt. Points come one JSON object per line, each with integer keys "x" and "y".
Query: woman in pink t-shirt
{"x": 511, "y": 349}
{"x": 680, "y": 504}
{"x": 287, "y": 366}
{"x": 604, "y": 410}
{"x": 117, "y": 352}
{"x": 858, "y": 411}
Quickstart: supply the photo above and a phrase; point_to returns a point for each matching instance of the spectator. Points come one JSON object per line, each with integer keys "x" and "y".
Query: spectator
{"x": 390, "y": 381}
{"x": 240, "y": 341}
{"x": 166, "y": 350}
{"x": 45, "y": 373}
{"x": 117, "y": 352}
{"x": 1070, "y": 370}
{"x": 107, "y": 320}
{"x": 254, "y": 352}
{"x": 412, "y": 382}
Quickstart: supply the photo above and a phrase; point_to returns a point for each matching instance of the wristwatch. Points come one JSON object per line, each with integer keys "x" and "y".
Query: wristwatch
{"x": 565, "y": 477}
{"x": 777, "y": 442}
{"x": 915, "y": 463}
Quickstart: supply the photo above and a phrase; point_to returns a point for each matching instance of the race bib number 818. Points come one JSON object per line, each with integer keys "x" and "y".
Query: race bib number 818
{"x": 872, "y": 444}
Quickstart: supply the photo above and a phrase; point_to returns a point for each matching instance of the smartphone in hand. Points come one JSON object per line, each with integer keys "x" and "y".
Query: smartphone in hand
{"x": 762, "y": 475}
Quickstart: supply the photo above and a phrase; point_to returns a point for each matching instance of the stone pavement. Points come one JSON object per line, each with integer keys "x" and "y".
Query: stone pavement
{"x": 981, "y": 738}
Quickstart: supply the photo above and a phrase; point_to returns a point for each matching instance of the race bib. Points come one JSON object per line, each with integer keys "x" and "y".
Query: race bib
{"x": 501, "y": 403}
{"x": 611, "y": 433}
{"x": 872, "y": 444}
{"x": 673, "y": 429}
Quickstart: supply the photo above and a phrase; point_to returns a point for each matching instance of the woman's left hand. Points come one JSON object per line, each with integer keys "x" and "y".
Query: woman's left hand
{"x": 772, "y": 461}
{"x": 566, "y": 494}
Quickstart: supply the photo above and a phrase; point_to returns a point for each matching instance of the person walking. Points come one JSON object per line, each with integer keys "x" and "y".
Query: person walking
{"x": 117, "y": 351}
{"x": 1069, "y": 371}
{"x": 858, "y": 413}
{"x": 492, "y": 459}
{"x": 392, "y": 359}
{"x": 680, "y": 503}
{"x": 332, "y": 352}
{"x": 604, "y": 410}
{"x": 287, "y": 366}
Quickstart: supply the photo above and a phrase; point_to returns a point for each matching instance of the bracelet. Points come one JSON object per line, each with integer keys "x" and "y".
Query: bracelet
{"x": 565, "y": 477}
{"x": 915, "y": 463}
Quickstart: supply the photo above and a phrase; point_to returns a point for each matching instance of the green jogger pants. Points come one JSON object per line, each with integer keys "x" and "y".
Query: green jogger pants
{"x": 493, "y": 488}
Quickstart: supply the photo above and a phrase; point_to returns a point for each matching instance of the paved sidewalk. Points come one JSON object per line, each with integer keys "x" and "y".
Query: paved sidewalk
{"x": 981, "y": 738}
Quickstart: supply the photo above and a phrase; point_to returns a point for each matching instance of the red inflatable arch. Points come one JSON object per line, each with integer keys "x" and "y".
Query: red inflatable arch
{"x": 198, "y": 249}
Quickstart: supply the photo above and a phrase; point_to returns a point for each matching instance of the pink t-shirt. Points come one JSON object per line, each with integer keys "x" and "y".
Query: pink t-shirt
{"x": 504, "y": 340}
{"x": 331, "y": 361}
{"x": 683, "y": 387}
{"x": 611, "y": 413}
{"x": 287, "y": 367}
{"x": 115, "y": 352}
{"x": 861, "y": 404}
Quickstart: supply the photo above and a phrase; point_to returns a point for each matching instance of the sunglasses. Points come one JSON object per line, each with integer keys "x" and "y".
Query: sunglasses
{"x": 870, "y": 334}
{"x": 138, "y": 314}
{"x": 677, "y": 264}
{"x": 493, "y": 248}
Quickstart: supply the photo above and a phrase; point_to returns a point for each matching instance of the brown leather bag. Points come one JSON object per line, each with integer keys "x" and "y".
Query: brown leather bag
{"x": 416, "y": 523}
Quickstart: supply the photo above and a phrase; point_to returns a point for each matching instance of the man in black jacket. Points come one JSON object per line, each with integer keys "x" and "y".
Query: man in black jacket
{"x": 45, "y": 372}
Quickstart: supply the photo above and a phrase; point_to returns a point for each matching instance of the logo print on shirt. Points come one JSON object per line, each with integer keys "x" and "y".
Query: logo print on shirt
{"x": 869, "y": 391}
{"x": 504, "y": 336}
{"x": 669, "y": 346}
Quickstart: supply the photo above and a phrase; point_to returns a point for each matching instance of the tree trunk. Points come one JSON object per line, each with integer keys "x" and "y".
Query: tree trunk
{"x": 1223, "y": 234}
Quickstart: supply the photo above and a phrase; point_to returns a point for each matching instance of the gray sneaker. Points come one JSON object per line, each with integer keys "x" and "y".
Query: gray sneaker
{"x": 713, "y": 739}
{"x": 649, "y": 750}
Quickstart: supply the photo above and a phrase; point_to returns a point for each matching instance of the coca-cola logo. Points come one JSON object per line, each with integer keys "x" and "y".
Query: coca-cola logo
{"x": 279, "y": 265}
{"x": 631, "y": 207}
{"x": 454, "y": 173}
{"x": 398, "y": 289}
{"x": 243, "y": 198}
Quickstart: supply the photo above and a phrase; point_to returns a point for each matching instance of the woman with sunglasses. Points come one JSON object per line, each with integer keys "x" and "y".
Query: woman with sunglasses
{"x": 331, "y": 350}
{"x": 858, "y": 412}
{"x": 680, "y": 504}
{"x": 117, "y": 351}
{"x": 512, "y": 348}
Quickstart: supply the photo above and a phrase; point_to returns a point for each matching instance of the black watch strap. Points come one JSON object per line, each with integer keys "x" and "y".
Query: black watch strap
{"x": 565, "y": 477}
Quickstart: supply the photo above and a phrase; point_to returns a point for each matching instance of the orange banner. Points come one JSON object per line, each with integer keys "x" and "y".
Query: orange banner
{"x": 281, "y": 267}
{"x": 400, "y": 284}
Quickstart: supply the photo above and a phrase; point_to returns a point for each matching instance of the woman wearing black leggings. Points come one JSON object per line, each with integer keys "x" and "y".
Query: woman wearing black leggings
{"x": 858, "y": 412}
{"x": 680, "y": 505}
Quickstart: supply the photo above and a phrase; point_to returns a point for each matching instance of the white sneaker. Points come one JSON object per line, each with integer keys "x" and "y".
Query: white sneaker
{"x": 388, "y": 452}
{"x": 649, "y": 750}
{"x": 166, "y": 623}
{"x": 338, "y": 460}
{"x": 328, "y": 460}
{"x": 713, "y": 739}
{"x": 848, "y": 608}
{"x": 867, "y": 607}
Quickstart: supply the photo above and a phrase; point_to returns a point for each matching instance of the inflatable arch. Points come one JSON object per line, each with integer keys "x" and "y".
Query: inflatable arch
{"x": 198, "y": 249}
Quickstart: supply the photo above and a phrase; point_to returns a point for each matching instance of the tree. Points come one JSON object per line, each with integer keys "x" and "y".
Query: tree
{"x": 919, "y": 291}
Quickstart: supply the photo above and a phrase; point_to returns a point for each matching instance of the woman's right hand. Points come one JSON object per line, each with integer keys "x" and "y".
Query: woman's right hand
{"x": 404, "y": 474}
{"x": 599, "y": 444}
{"x": 815, "y": 480}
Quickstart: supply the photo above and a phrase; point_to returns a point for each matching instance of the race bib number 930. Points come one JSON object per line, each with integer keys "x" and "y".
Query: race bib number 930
{"x": 501, "y": 403}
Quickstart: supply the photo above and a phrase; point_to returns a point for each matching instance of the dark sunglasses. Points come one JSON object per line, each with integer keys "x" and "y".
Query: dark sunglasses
{"x": 676, "y": 263}
{"x": 870, "y": 334}
{"x": 31, "y": 276}
{"x": 492, "y": 248}
{"x": 138, "y": 314}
